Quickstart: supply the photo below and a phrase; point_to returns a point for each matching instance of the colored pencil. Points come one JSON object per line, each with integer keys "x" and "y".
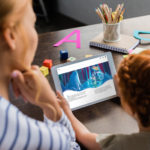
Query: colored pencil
{"x": 106, "y": 14}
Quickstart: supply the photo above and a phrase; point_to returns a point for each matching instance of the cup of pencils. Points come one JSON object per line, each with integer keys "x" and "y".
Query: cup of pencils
{"x": 111, "y": 21}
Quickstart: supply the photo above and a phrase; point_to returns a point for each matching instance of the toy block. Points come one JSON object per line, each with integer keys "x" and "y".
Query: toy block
{"x": 89, "y": 55}
{"x": 71, "y": 59}
{"x": 47, "y": 63}
{"x": 63, "y": 54}
{"x": 44, "y": 70}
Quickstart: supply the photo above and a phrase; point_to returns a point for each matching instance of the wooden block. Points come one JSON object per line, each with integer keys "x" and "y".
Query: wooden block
{"x": 44, "y": 70}
{"x": 71, "y": 59}
{"x": 48, "y": 63}
{"x": 89, "y": 55}
{"x": 63, "y": 54}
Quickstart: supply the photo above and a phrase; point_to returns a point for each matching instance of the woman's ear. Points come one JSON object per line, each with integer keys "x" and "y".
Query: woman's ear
{"x": 10, "y": 39}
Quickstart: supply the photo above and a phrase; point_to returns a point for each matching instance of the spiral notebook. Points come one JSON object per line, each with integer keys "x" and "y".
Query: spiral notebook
{"x": 125, "y": 44}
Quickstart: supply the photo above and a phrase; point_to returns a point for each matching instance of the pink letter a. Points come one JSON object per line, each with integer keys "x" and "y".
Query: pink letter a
{"x": 65, "y": 39}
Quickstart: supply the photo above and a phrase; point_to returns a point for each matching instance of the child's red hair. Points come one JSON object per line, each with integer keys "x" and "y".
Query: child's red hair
{"x": 134, "y": 83}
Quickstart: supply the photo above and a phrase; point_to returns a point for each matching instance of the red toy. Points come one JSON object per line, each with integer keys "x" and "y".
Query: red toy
{"x": 47, "y": 63}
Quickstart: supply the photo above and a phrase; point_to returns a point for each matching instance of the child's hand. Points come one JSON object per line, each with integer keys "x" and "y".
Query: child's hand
{"x": 63, "y": 102}
{"x": 35, "y": 88}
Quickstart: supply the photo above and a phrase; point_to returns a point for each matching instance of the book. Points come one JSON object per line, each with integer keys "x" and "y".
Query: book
{"x": 125, "y": 45}
{"x": 135, "y": 51}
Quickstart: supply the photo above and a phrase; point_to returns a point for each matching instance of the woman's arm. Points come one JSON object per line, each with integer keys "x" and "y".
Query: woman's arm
{"x": 83, "y": 135}
{"x": 35, "y": 88}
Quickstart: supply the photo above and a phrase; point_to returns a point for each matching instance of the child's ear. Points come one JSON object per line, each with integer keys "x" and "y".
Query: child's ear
{"x": 116, "y": 82}
{"x": 10, "y": 39}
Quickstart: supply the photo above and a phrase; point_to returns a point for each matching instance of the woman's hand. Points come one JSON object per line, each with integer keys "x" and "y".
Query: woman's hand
{"x": 35, "y": 88}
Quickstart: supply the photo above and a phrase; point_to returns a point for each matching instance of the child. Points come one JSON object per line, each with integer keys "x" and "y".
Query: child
{"x": 18, "y": 43}
{"x": 133, "y": 78}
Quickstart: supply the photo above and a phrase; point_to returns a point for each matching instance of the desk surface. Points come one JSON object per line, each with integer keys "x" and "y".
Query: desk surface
{"x": 105, "y": 117}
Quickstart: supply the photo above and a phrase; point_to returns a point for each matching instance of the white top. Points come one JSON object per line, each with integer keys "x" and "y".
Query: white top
{"x": 20, "y": 132}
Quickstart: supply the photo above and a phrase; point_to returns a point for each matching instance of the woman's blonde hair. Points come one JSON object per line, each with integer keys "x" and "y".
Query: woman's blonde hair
{"x": 7, "y": 10}
{"x": 12, "y": 11}
{"x": 134, "y": 83}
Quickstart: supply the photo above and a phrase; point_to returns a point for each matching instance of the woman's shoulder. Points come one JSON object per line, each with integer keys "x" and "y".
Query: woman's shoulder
{"x": 6, "y": 104}
{"x": 9, "y": 112}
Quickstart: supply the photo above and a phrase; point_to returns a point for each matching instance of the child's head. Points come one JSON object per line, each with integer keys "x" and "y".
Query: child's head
{"x": 18, "y": 37}
{"x": 134, "y": 85}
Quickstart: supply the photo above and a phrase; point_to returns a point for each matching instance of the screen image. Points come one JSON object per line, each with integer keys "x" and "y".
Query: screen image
{"x": 89, "y": 77}
{"x": 87, "y": 80}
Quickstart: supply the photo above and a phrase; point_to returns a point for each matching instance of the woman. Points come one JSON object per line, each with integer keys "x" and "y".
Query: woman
{"x": 17, "y": 49}
{"x": 133, "y": 85}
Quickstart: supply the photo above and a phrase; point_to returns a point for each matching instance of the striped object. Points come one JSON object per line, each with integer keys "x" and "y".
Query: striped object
{"x": 19, "y": 132}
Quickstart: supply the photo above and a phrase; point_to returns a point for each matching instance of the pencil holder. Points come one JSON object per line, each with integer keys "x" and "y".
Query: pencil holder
{"x": 111, "y": 32}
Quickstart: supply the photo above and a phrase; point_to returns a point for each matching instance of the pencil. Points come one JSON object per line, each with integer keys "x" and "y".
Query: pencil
{"x": 110, "y": 15}
{"x": 100, "y": 14}
{"x": 122, "y": 12}
{"x": 119, "y": 14}
{"x": 118, "y": 6}
{"x": 118, "y": 11}
{"x": 106, "y": 14}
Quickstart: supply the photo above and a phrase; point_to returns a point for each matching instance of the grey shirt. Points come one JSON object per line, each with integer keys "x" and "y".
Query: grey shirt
{"x": 136, "y": 141}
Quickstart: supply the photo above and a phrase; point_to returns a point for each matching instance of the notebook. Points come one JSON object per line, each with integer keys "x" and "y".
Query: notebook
{"x": 125, "y": 44}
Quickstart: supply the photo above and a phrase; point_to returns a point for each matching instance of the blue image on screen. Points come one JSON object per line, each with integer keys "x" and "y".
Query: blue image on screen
{"x": 89, "y": 77}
